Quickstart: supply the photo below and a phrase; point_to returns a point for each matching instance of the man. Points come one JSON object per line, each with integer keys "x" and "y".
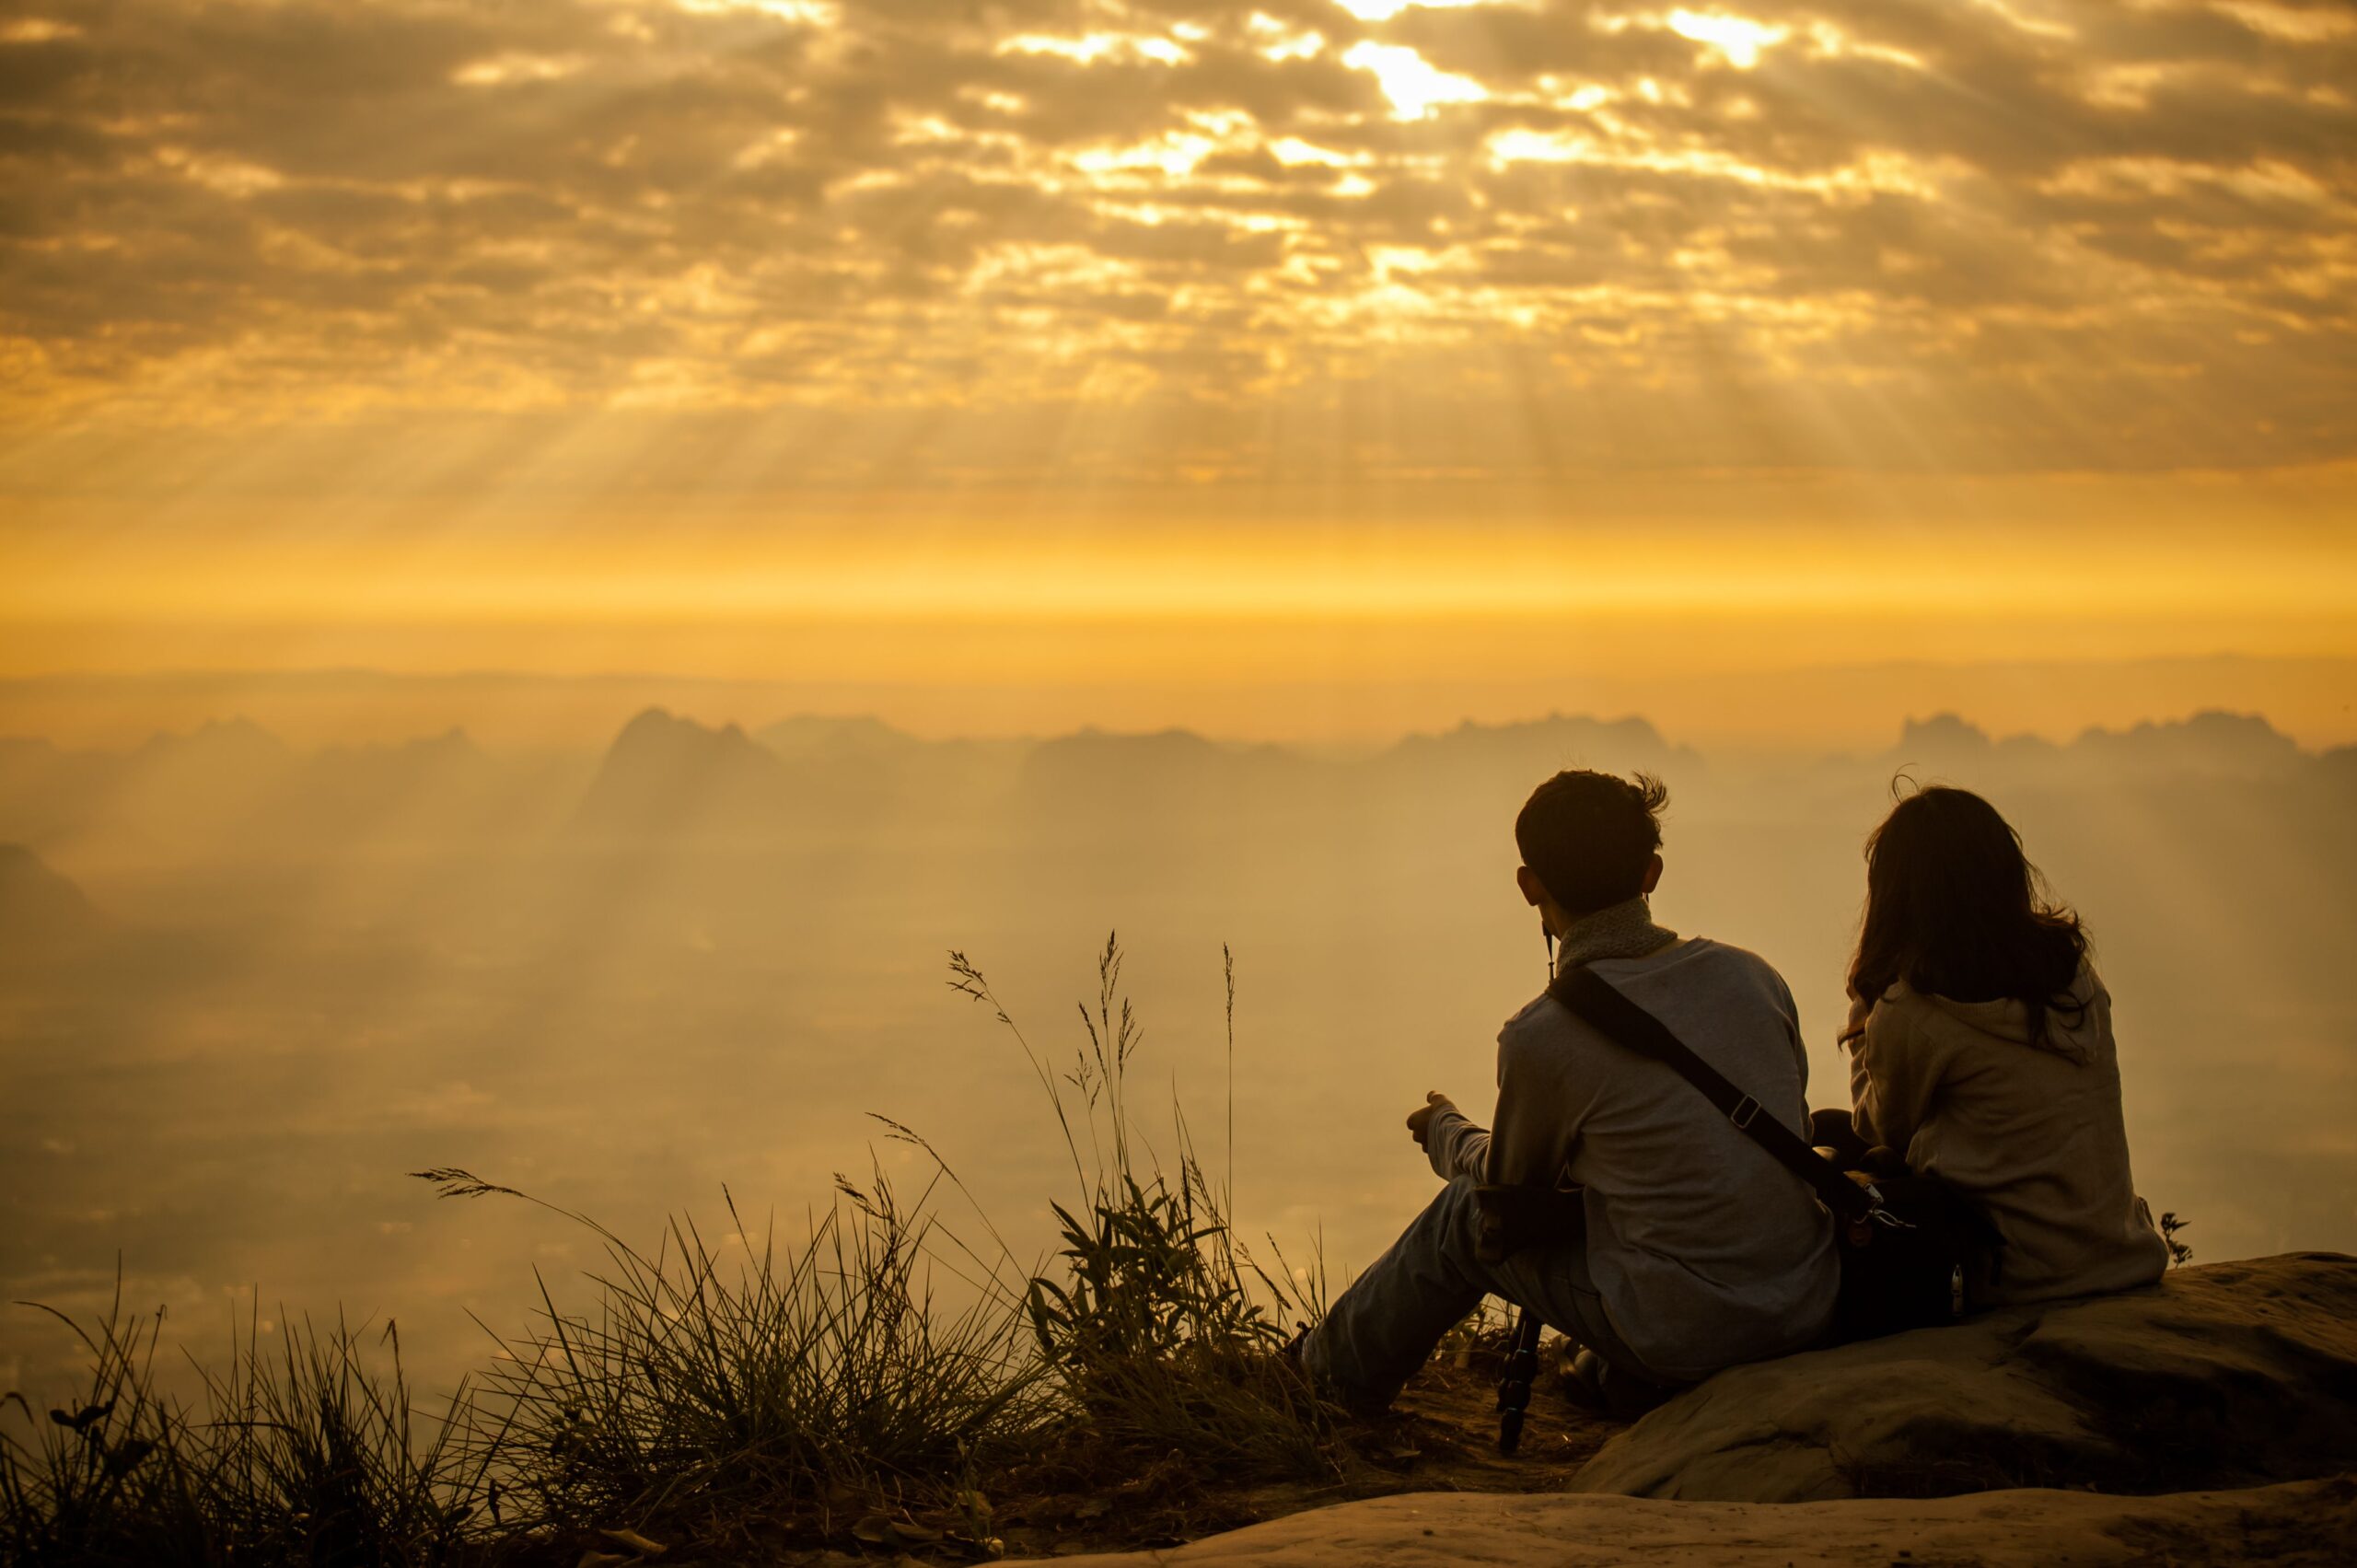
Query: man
{"x": 1685, "y": 1247}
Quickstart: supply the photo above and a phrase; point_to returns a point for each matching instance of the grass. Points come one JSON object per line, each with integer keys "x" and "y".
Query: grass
{"x": 873, "y": 1384}
{"x": 1160, "y": 1330}
{"x": 717, "y": 1386}
{"x": 313, "y": 1454}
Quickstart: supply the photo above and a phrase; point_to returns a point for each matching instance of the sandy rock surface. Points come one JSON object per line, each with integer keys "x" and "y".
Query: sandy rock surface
{"x": 2223, "y": 1376}
{"x": 2304, "y": 1525}
{"x": 2210, "y": 1419}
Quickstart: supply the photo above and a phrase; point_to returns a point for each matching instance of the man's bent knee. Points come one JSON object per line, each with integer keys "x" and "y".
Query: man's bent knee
{"x": 1454, "y": 1215}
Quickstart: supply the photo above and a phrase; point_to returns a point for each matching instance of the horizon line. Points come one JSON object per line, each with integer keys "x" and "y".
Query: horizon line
{"x": 752, "y": 730}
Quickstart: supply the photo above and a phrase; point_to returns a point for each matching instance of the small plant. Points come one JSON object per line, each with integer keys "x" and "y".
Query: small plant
{"x": 1485, "y": 1332}
{"x": 730, "y": 1383}
{"x": 100, "y": 1478}
{"x": 2172, "y": 1226}
{"x": 313, "y": 1455}
{"x": 1162, "y": 1332}
{"x": 308, "y": 1455}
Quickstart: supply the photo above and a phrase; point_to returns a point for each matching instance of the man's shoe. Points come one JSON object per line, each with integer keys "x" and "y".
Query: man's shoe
{"x": 1287, "y": 1362}
{"x": 1292, "y": 1363}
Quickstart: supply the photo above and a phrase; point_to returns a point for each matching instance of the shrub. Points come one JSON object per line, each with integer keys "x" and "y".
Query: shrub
{"x": 311, "y": 1455}
{"x": 1162, "y": 1333}
{"x": 711, "y": 1387}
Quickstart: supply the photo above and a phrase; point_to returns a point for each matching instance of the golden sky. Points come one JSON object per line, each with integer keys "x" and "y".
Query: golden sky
{"x": 1051, "y": 341}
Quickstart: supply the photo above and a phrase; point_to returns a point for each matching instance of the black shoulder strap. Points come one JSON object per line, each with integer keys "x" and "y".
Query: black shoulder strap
{"x": 1605, "y": 1009}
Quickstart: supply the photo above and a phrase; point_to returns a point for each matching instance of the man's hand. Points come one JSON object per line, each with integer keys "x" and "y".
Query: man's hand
{"x": 1419, "y": 1120}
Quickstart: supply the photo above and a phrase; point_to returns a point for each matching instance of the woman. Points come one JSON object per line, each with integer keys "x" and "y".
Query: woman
{"x": 1980, "y": 1049}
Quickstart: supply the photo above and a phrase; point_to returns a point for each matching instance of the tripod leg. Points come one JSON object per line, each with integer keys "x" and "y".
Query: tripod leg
{"x": 1513, "y": 1387}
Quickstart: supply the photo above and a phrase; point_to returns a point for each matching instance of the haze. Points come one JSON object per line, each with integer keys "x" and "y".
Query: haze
{"x": 621, "y": 980}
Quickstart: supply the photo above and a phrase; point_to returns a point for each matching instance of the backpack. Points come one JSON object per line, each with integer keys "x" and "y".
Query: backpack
{"x": 1908, "y": 1241}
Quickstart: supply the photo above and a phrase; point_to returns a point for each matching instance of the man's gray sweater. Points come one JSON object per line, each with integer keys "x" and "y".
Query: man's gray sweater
{"x": 1705, "y": 1251}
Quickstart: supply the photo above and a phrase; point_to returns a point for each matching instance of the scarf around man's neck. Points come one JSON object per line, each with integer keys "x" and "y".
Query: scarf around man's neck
{"x": 1624, "y": 930}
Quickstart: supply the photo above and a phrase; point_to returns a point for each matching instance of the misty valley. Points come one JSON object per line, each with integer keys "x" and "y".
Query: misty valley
{"x": 245, "y": 988}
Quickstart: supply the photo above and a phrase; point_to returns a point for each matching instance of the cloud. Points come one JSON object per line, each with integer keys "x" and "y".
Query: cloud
{"x": 2004, "y": 234}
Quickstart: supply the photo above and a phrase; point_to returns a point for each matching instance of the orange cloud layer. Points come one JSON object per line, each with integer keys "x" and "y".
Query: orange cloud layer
{"x": 1164, "y": 240}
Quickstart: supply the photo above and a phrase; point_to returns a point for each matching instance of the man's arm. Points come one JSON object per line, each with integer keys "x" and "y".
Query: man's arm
{"x": 1453, "y": 1144}
{"x": 1532, "y": 1140}
{"x": 1539, "y": 1114}
{"x": 1791, "y": 1011}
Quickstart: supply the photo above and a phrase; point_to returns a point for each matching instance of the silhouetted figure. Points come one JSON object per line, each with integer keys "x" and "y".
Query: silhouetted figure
{"x": 1980, "y": 1047}
{"x": 1609, "y": 1197}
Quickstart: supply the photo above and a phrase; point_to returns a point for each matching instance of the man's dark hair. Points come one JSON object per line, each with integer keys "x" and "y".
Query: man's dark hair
{"x": 1589, "y": 836}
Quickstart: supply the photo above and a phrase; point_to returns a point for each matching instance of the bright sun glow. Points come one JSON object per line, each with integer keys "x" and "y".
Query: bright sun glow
{"x": 1413, "y": 85}
{"x": 1739, "y": 39}
{"x": 1281, "y": 40}
{"x": 1098, "y": 46}
{"x": 500, "y": 70}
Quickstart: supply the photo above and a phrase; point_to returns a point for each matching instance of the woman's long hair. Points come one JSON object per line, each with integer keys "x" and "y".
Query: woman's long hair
{"x": 1952, "y": 908}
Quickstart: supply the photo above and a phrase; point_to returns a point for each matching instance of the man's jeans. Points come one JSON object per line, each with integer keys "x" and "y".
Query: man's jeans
{"x": 1385, "y": 1327}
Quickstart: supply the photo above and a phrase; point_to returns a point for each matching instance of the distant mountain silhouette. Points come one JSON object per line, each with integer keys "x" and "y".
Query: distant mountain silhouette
{"x": 24, "y": 754}
{"x": 233, "y": 789}
{"x": 453, "y": 748}
{"x": 1096, "y": 754}
{"x": 1172, "y": 777}
{"x": 854, "y": 772}
{"x": 1946, "y": 739}
{"x": 236, "y": 747}
{"x": 1175, "y": 782}
{"x": 1551, "y": 745}
{"x": 191, "y": 792}
{"x": 1943, "y": 736}
{"x": 826, "y": 738}
{"x": 2211, "y": 744}
{"x": 166, "y": 796}
{"x": 42, "y": 913}
{"x": 440, "y": 788}
{"x": 669, "y": 777}
{"x": 47, "y": 793}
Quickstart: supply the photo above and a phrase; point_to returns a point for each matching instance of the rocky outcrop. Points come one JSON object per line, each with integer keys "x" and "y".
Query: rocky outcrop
{"x": 2305, "y": 1525}
{"x": 2230, "y": 1391}
{"x": 2228, "y": 1374}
